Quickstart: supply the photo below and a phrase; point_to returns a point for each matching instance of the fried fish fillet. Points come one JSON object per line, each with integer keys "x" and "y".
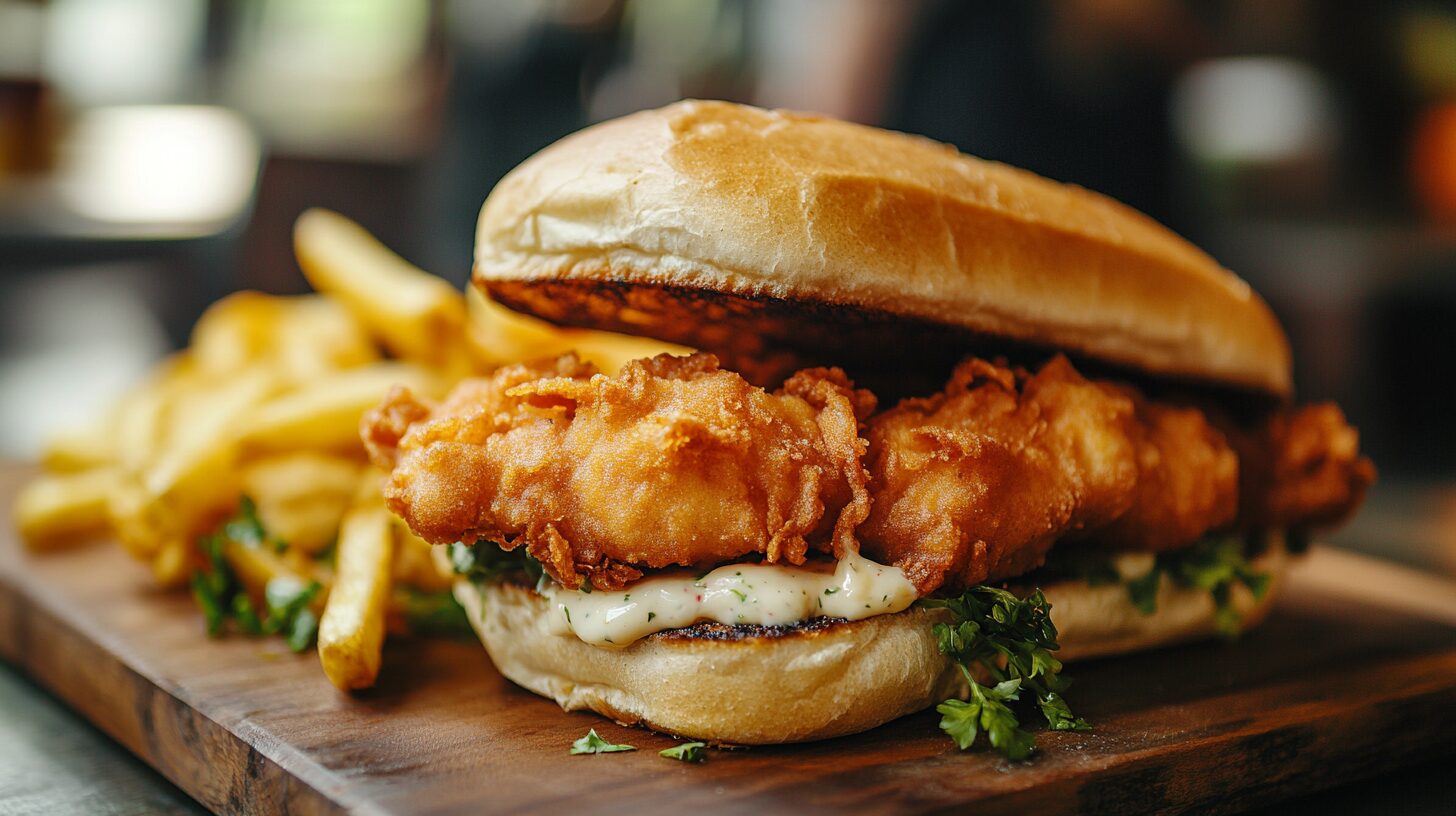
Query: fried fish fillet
{"x": 676, "y": 461}
{"x": 976, "y": 483}
{"x": 672, "y": 462}
{"x": 1301, "y": 469}
{"x": 1188, "y": 477}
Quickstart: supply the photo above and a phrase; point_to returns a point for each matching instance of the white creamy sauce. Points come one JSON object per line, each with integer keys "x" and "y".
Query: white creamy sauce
{"x": 763, "y": 594}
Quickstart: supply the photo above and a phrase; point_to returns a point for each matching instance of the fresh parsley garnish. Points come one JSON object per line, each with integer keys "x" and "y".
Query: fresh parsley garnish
{"x": 484, "y": 561}
{"x": 686, "y": 752}
{"x": 1012, "y": 639}
{"x": 1079, "y": 564}
{"x": 987, "y": 711}
{"x": 247, "y": 529}
{"x": 432, "y": 613}
{"x": 302, "y": 630}
{"x": 1215, "y": 565}
{"x": 593, "y": 744}
{"x": 223, "y": 600}
{"x": 1143, "y": 590}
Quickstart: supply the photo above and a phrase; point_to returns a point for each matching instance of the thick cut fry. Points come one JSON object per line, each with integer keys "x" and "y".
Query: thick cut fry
{"x": 317, "y": 335}
{"x": 415, "y": 314}
{"x": 351, "y": 634}
{"x": 172, "y": 566}
{"x": 325, "y": 414}
{"x": 83, "y": 448}
{"x": 304, "y": 336}
{"x": 414, "y": 562}
{"x": 141, "y": 416}
{"x": 201, "y": 450}
{"x": 256, "y": 566}
{"x": 500, "y": 336}
{"x": 194, "y": 479}
{"x": 302, "y": 496}
{"x": 58, "y": 509}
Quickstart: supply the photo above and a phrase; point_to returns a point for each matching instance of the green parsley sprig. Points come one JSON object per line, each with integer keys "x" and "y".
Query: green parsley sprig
{"x": 223, "y": 601}
{"x": 432, "y": 613}
{"x": 593, "y": 744}
{"x": 484, "y": 561}
{"x": 1012, "y": 639}
{"x": 686, "y": 752}
{"x": 1215, "y": 565}
{"x": 247, "y": 529}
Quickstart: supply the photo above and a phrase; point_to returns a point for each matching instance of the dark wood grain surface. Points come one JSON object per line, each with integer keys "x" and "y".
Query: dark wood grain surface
{"x": 1355, "y": 674}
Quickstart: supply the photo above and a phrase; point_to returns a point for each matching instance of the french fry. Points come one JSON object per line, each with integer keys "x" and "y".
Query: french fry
{"x": 414, "y": 563}
{"x": 316, "y": 335}
{"x": 256, "y": 566}
{"x": 172, "y": 565}
{"x": 140, "y": 418}
{"x": 83, "y": 448}
{"x": 416, "y": 315}
{"x": 127, "y": 506}
{"x": 57, "y": 509}
{"x": 200, "y": 442}
{"x": 324, "y": 415}
{"x": 351, "y": 633}
{"x": 304, "y": 336}
{"x": 302, "y": 496}
{"x": 234, "y": 331}
{"x": 193, "y": 479}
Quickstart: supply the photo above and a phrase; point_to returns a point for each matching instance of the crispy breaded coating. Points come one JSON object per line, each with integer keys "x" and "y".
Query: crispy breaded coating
{"x": 673, "y": 461}
{"x": 678, "y": 462}
{"x": 977, "y": 482}
{"x": 1302, "y": 470}
{"x": 1188, "y": 481}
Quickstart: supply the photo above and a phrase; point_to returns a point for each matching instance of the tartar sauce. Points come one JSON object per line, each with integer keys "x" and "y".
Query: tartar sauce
{"x": 765, "y": 594}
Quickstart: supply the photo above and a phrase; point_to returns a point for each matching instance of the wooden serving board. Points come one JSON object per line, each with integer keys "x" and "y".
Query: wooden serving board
{"x": 1342, "y": 682}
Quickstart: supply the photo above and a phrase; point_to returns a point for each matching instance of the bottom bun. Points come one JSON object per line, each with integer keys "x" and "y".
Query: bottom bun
{"x": 754, "y": 685}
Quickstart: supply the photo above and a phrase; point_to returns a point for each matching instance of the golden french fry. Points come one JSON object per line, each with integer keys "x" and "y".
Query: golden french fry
{"x": 82, "y": 448}
{"x": 193, "y": 478}
{"x": 308, "y": 566}
{"x": 497, "y": 335}
{"x": 256, "y": 566}
{"x": 234, "y": 331}
{"x": 304, "y": 336}
{"x": 201, "y": 449}
{"x": 325, "y": 414}
{"x": 414, "y": 564}
{"x": 127, "y": 506}
{"x": 316, "y": 335}
{"x": 416, "y": 315}
{"x": 351, "y": 633}
{"x": 302, "y": 496}
{"x": 172, "y": 566}
{"x": 56, "y": 509}
{"x": 140, "y": 419}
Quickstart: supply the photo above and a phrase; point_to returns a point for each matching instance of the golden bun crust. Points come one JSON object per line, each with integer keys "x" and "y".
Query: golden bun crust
{"x": 817, "y": 683}
{"x": 765, "y": 213}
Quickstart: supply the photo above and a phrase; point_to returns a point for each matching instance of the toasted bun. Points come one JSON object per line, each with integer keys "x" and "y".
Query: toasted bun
{"x": 742, "y": 231}
{"x": 828, "y": 679}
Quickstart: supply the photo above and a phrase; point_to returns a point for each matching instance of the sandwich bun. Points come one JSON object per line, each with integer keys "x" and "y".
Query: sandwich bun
{"x": 762, "y": 685}
{"x": 750, "y": 232}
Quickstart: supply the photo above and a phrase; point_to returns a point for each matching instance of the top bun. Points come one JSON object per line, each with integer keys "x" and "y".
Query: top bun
{"x": 746, "y": 231}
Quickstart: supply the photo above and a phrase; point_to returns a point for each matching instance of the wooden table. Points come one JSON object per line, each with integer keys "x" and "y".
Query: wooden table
{"x": 1342, "y": 683}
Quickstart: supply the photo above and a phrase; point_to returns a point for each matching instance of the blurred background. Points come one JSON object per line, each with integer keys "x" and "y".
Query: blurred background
{"x": 154, "y": 154}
